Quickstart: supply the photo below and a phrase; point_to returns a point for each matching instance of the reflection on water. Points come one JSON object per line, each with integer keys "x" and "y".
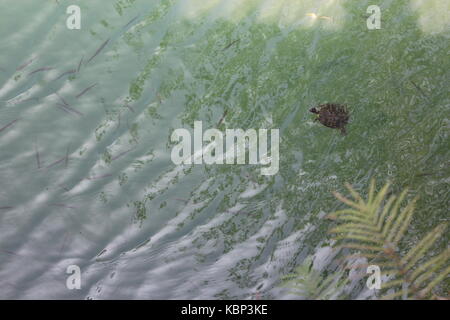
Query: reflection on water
{"x": 86, "y": 117}
{"x": 434, "y": 15}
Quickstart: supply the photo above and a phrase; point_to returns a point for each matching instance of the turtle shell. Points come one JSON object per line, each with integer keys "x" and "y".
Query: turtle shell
{"x": 332, "y": 115}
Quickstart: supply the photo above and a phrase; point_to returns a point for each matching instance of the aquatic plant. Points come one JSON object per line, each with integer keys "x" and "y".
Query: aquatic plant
{"x": 375, "y": 228}
{"x": 313, "y": 284}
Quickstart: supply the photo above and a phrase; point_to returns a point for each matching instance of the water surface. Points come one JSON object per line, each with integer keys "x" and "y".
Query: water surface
{"x": 86, "y": 176}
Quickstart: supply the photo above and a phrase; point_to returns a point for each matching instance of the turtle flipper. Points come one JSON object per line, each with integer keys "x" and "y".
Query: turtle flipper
{"x": 343, "y": 131}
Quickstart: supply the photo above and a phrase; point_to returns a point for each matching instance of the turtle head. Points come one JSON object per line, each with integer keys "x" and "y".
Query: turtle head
{"x": 314, "y": 110}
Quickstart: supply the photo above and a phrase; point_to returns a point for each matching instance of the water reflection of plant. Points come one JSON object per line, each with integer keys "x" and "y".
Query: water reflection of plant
{"x": 375, "y": 228}
{"x": 312, "y": 284}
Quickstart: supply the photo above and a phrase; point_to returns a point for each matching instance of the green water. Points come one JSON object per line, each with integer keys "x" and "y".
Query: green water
{"x": 141, "y": 227}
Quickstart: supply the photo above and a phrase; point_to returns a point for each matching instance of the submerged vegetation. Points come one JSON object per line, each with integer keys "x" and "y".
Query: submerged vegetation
{"x": 374, "y": 229}
{"x": 312, "y": 284}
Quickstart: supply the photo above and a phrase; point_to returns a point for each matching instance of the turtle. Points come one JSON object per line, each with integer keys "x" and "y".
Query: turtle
{"x": 332, "y": 115}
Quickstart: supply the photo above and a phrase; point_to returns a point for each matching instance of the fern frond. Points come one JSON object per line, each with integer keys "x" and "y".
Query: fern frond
{"x": 362, "y": 247}
{"x": 392, "y": 283}
{"x": 425, "y": 270}
{"x": 362, "y": 232}
{"x": 404, "y": 222}
{"x": 418, "y": 250}
{"x": 361, "y": 236}
{"x": 355, "y": 194}
{"x": 397, "y": 294}
{"x": 435, "y": 282}
{"x": 350, "y": 203}
{"x": 311, "y": 284}
{"x": 401, "y": 224}
{"x": 385, "y": 211}
{"x": 393, "y": 213}
{"x": 376, "y": 227}
{"x": 351, "y": 212}
{"x": 352, "y": 226}
{"x": 371, "y": 190}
